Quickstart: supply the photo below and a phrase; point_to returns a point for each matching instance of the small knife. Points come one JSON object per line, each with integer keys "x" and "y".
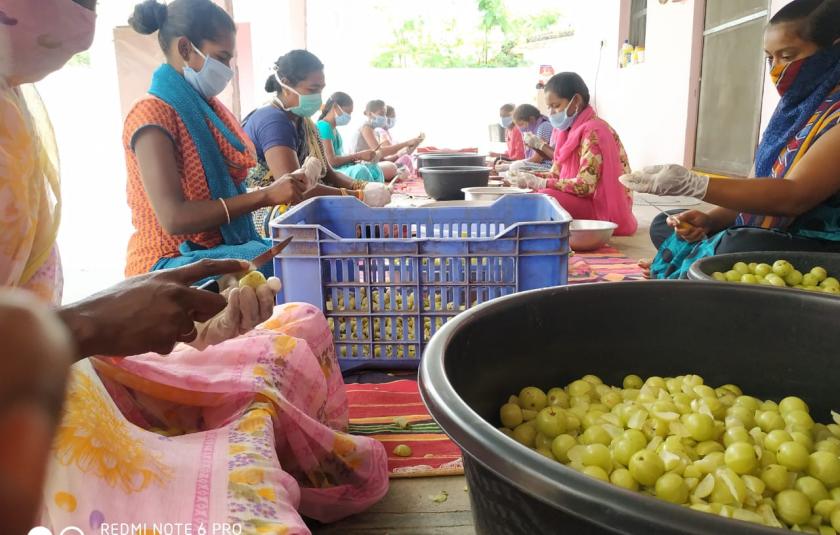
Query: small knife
{"x": 212, "y": 285}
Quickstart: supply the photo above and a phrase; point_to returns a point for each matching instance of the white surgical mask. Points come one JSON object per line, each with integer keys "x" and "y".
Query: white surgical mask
{"x": 213, "y": 77}
{"x": 342, "y": 119}
{"x": 562, "y": 120}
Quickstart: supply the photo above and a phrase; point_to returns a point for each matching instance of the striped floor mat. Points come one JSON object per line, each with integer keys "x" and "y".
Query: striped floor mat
{"x": 394, "y": 414}
{"x": 604, "y": 265}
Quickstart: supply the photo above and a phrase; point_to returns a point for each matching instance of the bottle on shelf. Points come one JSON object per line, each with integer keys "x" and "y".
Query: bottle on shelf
{"x": 626, "y": 56}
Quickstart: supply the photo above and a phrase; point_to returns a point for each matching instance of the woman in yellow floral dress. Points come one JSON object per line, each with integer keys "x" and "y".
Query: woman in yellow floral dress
{"x": 247, "y": 432}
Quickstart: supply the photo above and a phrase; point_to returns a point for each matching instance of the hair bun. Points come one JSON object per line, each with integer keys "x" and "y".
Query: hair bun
{"x": 148, "y": 17}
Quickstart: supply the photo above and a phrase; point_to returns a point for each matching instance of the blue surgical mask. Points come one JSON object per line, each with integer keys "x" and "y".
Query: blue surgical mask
{"x": 506, "y": 122}
{"x": 391, "y": 123}
{"x": 342, "y": 119}
{"x": 307, "y": 104}
{"x": 212, "y": 79}
{"x": 378, "y": 121}
{"x": 562, "y": 120}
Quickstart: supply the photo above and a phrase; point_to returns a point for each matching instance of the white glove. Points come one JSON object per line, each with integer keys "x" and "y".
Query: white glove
{"x": 533, "y": 141}
{"x": 519, "y": 164}
{"x": 376, "y": 194}
{"x": 246, "y": 309}
{"x": 667, "y": 180}
{"x": 314, "y": 170}
{"x": 502, "y": 167}
{"x": 527, "y": 180}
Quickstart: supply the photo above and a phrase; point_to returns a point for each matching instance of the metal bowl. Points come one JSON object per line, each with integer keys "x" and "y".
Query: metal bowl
{"x": 491, "y": 193}
{"x": 590, "y": 235}
{"x": 446, "y": 183}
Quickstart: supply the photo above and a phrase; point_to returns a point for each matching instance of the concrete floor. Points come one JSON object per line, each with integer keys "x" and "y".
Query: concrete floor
{"x": 408, "y": 508}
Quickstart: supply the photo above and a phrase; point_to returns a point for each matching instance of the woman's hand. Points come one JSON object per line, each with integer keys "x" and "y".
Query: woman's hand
{"x": 376, "y": 194}
{"x": 366, "y": 155}
{"x": 692, "y": 225}
{"x": 288, "y": 189}
{"x": 246, "y": 308}
{"x": 667, "y": 180}
{"x": 151, "y": 312}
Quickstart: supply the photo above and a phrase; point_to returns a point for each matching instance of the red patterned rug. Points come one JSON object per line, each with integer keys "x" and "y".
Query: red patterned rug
{"x": 393, "y": 413}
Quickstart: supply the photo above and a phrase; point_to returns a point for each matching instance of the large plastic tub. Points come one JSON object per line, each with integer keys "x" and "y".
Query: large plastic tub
{"x": 745, "y": 335}
{"x": 388, "y": 278}
{"x": 804, "y": 262}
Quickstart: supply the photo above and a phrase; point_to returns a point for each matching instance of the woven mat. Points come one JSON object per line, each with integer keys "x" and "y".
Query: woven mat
{"x": 373, "y": 411}
{"x": 604, "y": 265}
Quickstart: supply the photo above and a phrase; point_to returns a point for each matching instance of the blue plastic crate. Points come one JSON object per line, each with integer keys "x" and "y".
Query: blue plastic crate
{"x": 388, "y": 278}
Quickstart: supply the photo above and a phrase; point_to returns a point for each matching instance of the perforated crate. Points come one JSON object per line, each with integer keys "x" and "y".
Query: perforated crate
{"x": 388, "y": 278}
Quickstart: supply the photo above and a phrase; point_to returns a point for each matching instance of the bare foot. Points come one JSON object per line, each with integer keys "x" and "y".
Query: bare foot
{"x": 645, "y": 263}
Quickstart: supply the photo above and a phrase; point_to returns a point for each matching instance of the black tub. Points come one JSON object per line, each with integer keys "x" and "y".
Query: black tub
{"x": 768, "y": 342}
{"x": 441, "y": 159}
{"x": 446, "y": 183}
{"x": 804, "y": 262}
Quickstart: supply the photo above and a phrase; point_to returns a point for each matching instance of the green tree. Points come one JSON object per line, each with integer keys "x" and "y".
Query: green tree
{"x": 491, "y": 44}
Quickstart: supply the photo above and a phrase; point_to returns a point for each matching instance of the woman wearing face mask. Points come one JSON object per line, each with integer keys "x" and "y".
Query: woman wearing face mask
{"x": 536, "y": 133}
{"x": 402, "y": 158}
{"x": 337, "y": 112}
{"x": 588, "y": 159}
{"x": 187, "y": 158}
{"x": 792, "y": 203}
{"x": 375, "y": 115}
{"x": 203, "y": 434}
{"x": 513, "y": 136}
{"x": 285, "y": 135}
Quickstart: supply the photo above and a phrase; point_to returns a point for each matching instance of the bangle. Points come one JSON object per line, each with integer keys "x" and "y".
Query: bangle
{"x": 227, "y": 213}
{"x": 359, "y": 184}
{"x": 343, "y": 192}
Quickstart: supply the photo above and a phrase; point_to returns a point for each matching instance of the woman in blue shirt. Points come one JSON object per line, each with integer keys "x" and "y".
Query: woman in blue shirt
{"x": 337, "y": 112}
{"x": 284, "y": 135}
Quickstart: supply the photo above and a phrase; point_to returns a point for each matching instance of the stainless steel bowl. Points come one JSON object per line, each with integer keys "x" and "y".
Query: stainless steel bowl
{"x": 491, "y": 193}
{"x": 590, "y": 235}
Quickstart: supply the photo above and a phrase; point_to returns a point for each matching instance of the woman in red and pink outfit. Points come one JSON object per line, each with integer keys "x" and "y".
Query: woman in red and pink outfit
{"x": 588, "y": 159}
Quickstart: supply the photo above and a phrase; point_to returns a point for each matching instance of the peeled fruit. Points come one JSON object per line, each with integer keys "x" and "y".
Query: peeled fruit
{"x": 713, "y": 449}
{"x": 253, "y": 279}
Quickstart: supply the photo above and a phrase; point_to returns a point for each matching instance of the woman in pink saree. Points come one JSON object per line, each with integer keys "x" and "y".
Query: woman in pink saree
{"x": 588, "y": 159}
{"x": 243, "y": 424}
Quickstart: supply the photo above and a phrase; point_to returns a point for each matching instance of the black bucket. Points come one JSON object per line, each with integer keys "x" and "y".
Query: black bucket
{"x": 447, "y": 159}
{"x": 769, "y": 343}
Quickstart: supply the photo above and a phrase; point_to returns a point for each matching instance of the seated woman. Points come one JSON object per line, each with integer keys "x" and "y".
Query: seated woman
{"x": 187, "y": 159}
{"x": 337, "y": 111}
{"x": 366, "y": 139}
{"x": 588, "y": 159}
{"x": 247, "y": 431}
{"x": 513, "y": 136}
{"x": 793, "y": 204}
{"x": 402, "y": 158}
{"x": 536, "y": 133}
{"x": 285, "y": 136}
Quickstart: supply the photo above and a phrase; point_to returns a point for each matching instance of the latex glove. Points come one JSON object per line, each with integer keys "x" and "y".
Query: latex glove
{"x": 527, "y": 180}
{"x": 519, "y": 164}
{"x": 502, "y": 167}
{"x": 314, "y": 170}
{"x": 534, "y": 141}
{"x": 667, "y": 180}
{"x": 246, "y": 308}
{"x": 376, "y": 194}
